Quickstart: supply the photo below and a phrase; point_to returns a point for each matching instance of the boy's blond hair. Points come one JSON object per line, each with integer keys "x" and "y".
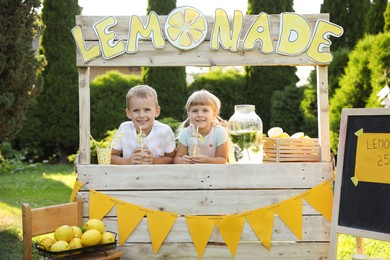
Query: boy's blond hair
{"x": 142, "y": 91}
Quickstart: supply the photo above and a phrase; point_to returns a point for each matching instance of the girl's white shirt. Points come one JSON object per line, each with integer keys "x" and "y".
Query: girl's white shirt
{"x": 160, "y": 140}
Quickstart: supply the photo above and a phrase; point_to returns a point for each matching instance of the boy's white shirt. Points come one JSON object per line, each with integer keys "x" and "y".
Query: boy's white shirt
{"x": 160, "y": 140}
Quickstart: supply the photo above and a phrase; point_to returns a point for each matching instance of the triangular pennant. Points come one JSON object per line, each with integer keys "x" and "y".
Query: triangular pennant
{"x": 99, "y": 204}
{"x": 355, "y": 181}
{"x": 200, "y": 228}
{"x": 129, "y": 216}
{"x": 290, "y": 212}
{"x": 320, "y": 197}
{"x": 77, "y": 186}
{"x": 159, "y": 223}
{"x": 262, "y": 222}
{"x": 230, "y": 227}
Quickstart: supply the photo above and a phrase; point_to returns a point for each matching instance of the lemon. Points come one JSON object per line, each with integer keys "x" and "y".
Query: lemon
{"x": 47, "y": 242}
{"x": 64, "y": 232}
{"x": 91, "y": 237}
{"x": 95, "y": 224}
{"x": 298, "y": 135}
{"x": 59, "y": 246}
{"x": 283, "y": 135}
{"x": 75, "y": 243}
{"x": 107, "y": 237}
{"x": 77, "y": 232}
{"x": 186, "y": 27}
{"x": 275, "y": 132}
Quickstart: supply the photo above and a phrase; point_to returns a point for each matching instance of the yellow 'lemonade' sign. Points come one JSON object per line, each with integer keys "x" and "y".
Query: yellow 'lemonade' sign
{"x": 373, "y": 158}
{"x": 186, "y": 28}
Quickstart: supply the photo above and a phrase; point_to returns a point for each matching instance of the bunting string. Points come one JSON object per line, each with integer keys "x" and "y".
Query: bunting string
{"x": 200, "y": 228}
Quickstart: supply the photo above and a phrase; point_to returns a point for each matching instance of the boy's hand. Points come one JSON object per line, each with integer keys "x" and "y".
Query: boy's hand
{"x": 136, "y": 157}
{"x": 147, "y": 157}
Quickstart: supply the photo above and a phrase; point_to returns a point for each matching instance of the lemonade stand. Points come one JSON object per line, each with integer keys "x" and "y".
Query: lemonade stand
{"x": 247, "y": 211}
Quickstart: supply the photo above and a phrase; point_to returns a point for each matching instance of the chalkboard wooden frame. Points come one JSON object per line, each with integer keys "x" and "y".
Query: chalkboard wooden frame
{"x": 372, "y": 120}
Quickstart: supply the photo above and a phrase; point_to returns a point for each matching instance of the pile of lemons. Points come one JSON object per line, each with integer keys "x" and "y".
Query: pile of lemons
{"x": 277, "y": 132}
{"x": 73, "y": 237}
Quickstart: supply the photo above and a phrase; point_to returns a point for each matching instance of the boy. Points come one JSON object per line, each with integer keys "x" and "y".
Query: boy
{"x": 143, "y": 140}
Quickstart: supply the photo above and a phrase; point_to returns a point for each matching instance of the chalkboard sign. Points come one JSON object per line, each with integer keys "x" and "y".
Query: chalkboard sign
{"x": 362, "y": 190}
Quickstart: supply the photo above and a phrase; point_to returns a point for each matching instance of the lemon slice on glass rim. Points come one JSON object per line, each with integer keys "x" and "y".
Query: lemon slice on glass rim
{"x": 185, "y": 27}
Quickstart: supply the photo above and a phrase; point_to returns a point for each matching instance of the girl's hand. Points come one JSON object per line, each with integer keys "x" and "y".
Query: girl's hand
{"x": 200, "y": 159}
{"x": 186, "y": 159}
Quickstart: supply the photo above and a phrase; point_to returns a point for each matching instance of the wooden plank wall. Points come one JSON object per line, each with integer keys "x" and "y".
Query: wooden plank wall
{"x": 212, "y": 190}
{"x": 147, "y": 55}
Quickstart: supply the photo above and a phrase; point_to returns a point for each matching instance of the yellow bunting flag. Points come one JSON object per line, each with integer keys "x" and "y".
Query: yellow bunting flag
{"x": 100, "y": 204}
{"x": 290, "y": 211}
{"x": 77, "y": 186}
{"x": 321, "y": 198}
{"x": 230, "y": 227}
{"x": 159, "y": 223}
{"x": 129, "y": 216}
{"x": 201, "y": 228}
{"x": 262, "y": 222}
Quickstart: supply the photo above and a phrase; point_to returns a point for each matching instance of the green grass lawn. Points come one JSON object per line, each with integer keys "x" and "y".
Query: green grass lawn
{"x": 45, "y": 185}
{"x": 41, "y": 185}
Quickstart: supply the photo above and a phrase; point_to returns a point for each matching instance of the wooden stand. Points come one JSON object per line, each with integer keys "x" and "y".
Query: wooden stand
{"x": 207, "y": 189}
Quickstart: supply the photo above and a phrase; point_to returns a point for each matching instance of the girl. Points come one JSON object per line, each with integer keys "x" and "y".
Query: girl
{"x": 205, "y": 127}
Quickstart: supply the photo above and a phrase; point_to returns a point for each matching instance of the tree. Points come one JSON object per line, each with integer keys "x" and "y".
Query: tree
{"x": 169, "y": 82}
{"x": 285, "y": 109}
{"x": 351, "y": 16}
{"x": 263, "y": 81}
{"x": 54, "y": 116}
{"x": 108, "y": 101}
{"x": 20, "y": 67}
{"x": 386, "y": 16}
{"x": 375, "y": 19}
{"x": 365, "y": 74}
{"x": 227, "y": 85}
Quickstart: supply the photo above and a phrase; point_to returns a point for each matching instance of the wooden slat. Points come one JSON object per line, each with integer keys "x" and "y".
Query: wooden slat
{"x": 315, "y": 228}
{"x": 121, "y": 29}
{"x": 47, "y": 218}
{"x": 323, "y": 113}
{"x": 212, "y": 176}
{"x": 245, "y": 251}
{"x": 209, "y": 202}
{"x": 147, "y": 55}
{"x": 84, "y": 115}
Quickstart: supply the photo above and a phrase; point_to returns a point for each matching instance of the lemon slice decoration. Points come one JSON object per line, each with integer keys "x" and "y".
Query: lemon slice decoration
{"x": 186, "y": 27}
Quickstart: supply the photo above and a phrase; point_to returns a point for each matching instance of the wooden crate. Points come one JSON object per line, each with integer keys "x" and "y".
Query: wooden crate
{"x": 291, "y": 150}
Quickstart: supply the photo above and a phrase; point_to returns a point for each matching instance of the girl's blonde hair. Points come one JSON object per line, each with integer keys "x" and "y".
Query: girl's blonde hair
{"x": 204, "y": 98}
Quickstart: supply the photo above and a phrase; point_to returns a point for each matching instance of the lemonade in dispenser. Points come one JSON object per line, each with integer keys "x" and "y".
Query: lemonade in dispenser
{"x": 245, "y": 133}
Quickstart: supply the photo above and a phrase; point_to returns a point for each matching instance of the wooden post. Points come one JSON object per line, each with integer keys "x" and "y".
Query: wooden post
{"x": 84, "y": 115}
{"x": 323, "y": 112}
{"x": 360, "y": 245}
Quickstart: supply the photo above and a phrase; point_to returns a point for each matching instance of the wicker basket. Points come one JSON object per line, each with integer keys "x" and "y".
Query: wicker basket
{"x": 291, "y": 150}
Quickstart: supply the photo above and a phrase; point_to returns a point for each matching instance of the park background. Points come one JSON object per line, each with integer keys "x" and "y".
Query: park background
{"x": 39, "y": 122}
